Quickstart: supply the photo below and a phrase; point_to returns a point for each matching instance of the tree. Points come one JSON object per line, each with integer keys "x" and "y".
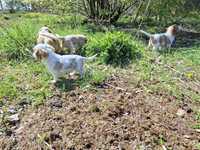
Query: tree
{"x": 104, "y": 11}
{"x": 13, "y": 5}
{"x": 1, "y": 4}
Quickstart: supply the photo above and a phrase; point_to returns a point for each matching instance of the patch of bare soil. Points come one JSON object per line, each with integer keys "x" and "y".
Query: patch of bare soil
{"x": 117, "y": 115}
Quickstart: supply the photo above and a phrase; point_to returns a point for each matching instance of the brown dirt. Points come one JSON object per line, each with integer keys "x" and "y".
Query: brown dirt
{"x": 117, "y": 115}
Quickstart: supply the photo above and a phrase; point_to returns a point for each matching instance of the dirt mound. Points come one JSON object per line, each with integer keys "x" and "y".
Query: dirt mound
{"x": 117, "y": 115}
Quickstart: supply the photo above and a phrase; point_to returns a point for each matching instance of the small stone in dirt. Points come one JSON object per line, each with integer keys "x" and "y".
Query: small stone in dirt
{"x": 181, "y": 112}
{"x": 164, "y": 148}
{"x": 55, "y": 135}
{"x": 73, "y": 109}
{"x": 72, "y": 94}
{"x": 8, "y": 132}
{"x": 88, "y": 146}
{"x": 81, "y": 97}
{"x": 24, "y": 102}
{"x": 12, "y": 110}
{"x": 19, "y": 130}
{"x": 189, "y": 110}
{"x": 187, "y": 136}
{"x": 197, "y": 130}
{"x": 95, "y": 109}
{"x": 55, "y": 103}
{"x": 13, "y": 118}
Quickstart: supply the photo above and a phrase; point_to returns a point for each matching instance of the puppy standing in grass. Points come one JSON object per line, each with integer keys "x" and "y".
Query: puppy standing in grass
{"x": 59, "y": 65}
{"x": 73, "y": 42}
{"x": 162, "y": 40}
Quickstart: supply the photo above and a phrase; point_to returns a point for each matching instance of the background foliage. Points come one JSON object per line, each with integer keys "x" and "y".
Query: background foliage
{"x": 109, "y": 11}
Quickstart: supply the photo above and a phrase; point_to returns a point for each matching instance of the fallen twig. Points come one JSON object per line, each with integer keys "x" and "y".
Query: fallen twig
{"x": 118, "y": 88}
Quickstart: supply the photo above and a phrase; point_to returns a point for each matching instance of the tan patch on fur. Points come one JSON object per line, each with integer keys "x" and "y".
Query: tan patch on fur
{"x": 172, "y": 29}
{"x": 40, "y": 54}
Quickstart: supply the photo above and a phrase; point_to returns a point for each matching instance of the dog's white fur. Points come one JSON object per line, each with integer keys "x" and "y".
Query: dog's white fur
{"x": 73, "y": 42}
{"x": 59, "y": 65}
{"x": 162, "y": 40}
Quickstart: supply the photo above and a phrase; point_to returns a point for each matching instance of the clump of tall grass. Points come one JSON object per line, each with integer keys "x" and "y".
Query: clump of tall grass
{"x": 17, "y": 41}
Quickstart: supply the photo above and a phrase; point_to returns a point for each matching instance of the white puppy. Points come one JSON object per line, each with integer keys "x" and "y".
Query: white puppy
{"x": 162, "y": 40}
{"x": 59, "y": 65}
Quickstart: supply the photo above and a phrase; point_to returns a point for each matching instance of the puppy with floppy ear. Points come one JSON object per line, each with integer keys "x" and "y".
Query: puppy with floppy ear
{"x": 162, "y": 40}
{"x": 59, "y": 65}
{"x": 40, "y": 54}
{"x": 73, "y": 42}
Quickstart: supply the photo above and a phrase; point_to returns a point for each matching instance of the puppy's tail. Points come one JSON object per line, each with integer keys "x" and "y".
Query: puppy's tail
{"x": 147, "y": 34}
{"x": 91, "y": 58}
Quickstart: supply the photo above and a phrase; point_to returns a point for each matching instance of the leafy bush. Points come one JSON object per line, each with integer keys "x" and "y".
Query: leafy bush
{"x": 16, "y": 42}
{"x": 117, "y": 48}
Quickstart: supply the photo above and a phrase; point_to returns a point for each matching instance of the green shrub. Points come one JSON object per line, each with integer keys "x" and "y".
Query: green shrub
{"x": 17, "y": 41}
{"x": 117, "y": 48}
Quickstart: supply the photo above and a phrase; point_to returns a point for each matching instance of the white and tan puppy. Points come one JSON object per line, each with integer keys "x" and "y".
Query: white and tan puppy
{"x": 73, "y": 42}
{"x": 162, "y": 40}
{"x": 46, "y": 36}
{"x": 59, "y": 65}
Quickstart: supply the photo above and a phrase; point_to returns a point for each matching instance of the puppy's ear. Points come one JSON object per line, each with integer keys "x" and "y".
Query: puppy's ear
{"x": 40, "y": 54}
{"x": 174, "y": 29}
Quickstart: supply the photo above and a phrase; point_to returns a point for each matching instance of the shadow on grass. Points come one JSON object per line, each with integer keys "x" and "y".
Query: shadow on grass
{"x": 66, "y": 84}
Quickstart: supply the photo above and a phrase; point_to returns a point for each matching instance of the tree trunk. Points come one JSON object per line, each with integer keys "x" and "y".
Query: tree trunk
{"x": 1, "y": 5}
{"x": 92, "y": 8}
{"x": 104, "y": 11}
{"x": 12, "y": 4}
{"x": 137, "y": 12}
{"x": 104, "y": 4}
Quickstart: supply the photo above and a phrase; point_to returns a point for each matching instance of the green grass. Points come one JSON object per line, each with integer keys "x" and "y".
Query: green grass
{"x": 25, "y": 81}
{"x": 23, "y": 78}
